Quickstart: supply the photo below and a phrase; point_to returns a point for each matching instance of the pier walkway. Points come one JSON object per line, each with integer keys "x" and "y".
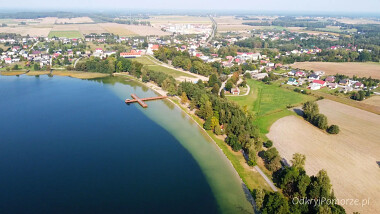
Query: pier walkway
{"x": 141, "y": 101}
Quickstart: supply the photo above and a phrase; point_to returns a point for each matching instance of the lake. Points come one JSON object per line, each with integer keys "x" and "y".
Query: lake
{"x": 74, "y": 146}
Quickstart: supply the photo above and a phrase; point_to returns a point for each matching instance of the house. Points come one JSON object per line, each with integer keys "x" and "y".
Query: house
{"x": 235, "y": 91}
{"x": 260, "y": 76}
{"x": 300, "y": 74}
{"x": 313, "y": 77}
{"x": 292, "y": 73}
{"x": 292, "y": 81}
{"x": 319, "y": 73}
{"x": 131, "y": 54}
{"x": 330, "y": 79}
{"x": 252, "y": 72}
{"x": 344, "y": 82}
{"x": 332, "y": 85}
{"x": 8, "y": 60}
{"x": 346, "y": 89}
{"x": 99, "y": 50}
{"x": 358, "y": 85}
{"x": 313, "y": 86}
{"x": 321, "y": 83}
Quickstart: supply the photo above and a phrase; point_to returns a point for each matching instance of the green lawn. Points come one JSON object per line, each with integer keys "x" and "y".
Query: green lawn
{"x": 143, "y": 60}
{"x": 269, "y": 103}
{"x": 169, "y": 71}
{"x": 67, "y": 34}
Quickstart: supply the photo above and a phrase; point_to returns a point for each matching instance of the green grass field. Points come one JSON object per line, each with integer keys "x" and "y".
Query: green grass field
{"x": 143, "y": 60}
{"x": 269, "y": 103}
{"x": 67, "y": 34}
{"x": 169, "y": 71}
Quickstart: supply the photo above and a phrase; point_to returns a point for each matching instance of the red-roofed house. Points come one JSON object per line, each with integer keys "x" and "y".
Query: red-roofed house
{"x": 131, "y": 54}
{"x": 321, "y": 83}
{"x": 358, "y": 85}
{"x": 99, "y": 50}
{"x": 330, "y": 79}
{"x": 155, "y": 47}
{"x": 8, "y": 60}
{"x": 300, "y": 74}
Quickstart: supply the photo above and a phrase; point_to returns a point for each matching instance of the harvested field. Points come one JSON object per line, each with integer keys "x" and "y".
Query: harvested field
{"x": 146, "y": 30}
{"x": 132, "y": 30}
{"x": 375, "y": 100}
{"x": 346, "y": 68}
{"x": 349, "y": 157}
{"x": 118, "y": 29}
{"x": 26, "y": 30}
{"x": 91, "y": 28}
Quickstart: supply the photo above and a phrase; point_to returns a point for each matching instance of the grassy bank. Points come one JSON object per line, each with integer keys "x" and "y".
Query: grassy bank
{"x": 12, "y": 73}
{"x": 79, "y": 74}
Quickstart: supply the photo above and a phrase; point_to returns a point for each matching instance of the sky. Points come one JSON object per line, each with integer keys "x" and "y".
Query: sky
{"x": 349, "y": 6}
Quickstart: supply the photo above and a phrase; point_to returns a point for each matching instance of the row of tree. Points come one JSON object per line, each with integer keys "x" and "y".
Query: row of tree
{"x": 311, "y": 114}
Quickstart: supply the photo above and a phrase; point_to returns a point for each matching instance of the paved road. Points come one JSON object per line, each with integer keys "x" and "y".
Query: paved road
{"x": 76, "y": 61}
{"x": 214, "y": 28}
{"x": 269, "y": 182}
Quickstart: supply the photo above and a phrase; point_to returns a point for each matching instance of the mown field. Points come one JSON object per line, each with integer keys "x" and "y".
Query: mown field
{"x": 67, "y": 34}
{"x": 349, "y": 157}
{"x": 269, "y": 103}
{"x": 368, "y": 69}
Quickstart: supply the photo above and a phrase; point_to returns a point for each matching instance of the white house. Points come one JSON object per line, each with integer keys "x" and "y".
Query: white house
{"x": 260, "y": 76}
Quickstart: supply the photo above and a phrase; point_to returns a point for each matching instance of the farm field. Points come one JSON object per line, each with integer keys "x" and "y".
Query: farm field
{"x": 67, "y": 34}
{"x": 352, "y": 154}
{"x": 374, "y": 100}
{"x": 269, "y": 103}
{"x": 346, "y": 68}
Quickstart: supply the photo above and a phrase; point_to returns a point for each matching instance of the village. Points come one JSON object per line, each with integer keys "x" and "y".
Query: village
{"x": 45, "y": 53}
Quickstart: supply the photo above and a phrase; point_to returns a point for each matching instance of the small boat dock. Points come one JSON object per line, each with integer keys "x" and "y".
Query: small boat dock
{"x": 141, "y": 101}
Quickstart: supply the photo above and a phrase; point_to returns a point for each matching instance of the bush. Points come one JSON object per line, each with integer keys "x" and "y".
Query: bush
{"x": 268, "y": 144}
{"x": 333, "y": 129}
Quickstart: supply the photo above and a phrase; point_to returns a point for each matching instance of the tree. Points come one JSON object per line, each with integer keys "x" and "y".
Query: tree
{"x": 36, "y": 67}
{"x": 252, "y": 155}
{"x": 229, "y": 85}
{"x": 212, "y": 80}
{"x": 15, "y": 67}
{"x": 298, "y": 160}
{"x": 259, "y": 198}
{"x": 207, "y": 124}
{"x": 333, "y": 129}
{"x": 275, "y": 203}
{"x": 320, "y": 185}
{"x": 184, "y": 98}
{"x": 222, "y": 93}
{"x": 320, "y": 120}
{"x": 215, "y": 89}
{"x": 218, "y": 130}
{"x": 268, "y": 144}
{"x": 310, "y": 109}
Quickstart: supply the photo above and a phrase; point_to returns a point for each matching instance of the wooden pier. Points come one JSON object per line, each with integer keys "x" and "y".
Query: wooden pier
{"x": 141, "y": 101}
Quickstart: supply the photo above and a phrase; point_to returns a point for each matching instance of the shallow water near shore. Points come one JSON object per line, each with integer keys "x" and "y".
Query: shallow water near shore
{"x": 74, "y": 146}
